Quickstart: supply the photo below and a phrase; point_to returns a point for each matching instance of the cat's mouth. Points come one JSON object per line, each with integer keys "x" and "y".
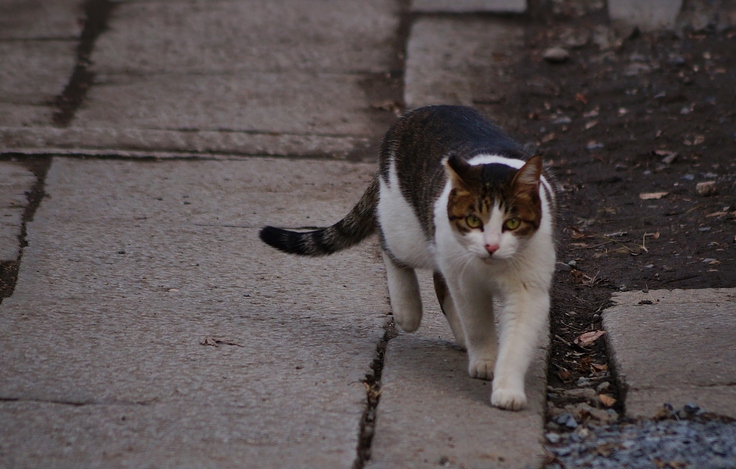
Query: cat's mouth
{"x": 488, "y": 259}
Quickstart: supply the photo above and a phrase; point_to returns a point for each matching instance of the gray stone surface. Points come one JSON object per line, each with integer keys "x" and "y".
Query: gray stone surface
{"x": 469, "y": 6}
{"x": 243, "y": 102}
{"x": 351, "y": 36}
{"x": 40, "y": 19}
{"x": 676, "y": 347}
{"x": 37, "y": 45}
{"x": 296, "y": 77}
{"x": 647, "y": 15}
{"x": 34, "y": 72}
{"x": 433, "y": 414}
{"x": 15, "y": 181}
{"x": 174, "y": 143}
{"x": 131, "y": 264}
{"x": 455, "y": 60}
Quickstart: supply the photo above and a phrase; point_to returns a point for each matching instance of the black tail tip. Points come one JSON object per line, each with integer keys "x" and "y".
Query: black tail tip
{"x": 271, "y": 236}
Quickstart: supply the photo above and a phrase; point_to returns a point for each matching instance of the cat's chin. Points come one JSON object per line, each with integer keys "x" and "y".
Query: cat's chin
{"x": 490, "y": 259}
{"x": 494, "y": 259}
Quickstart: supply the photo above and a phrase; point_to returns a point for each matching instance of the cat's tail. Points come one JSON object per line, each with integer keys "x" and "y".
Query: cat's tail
{"x": 354, "y": 228}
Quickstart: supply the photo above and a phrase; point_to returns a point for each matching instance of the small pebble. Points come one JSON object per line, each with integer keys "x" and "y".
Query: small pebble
{"x": 669, "y": 158}
{"x": 683, "y": 443}
{"x": 706, "y": 189}
{"x": 556, "y": 55}
{"x": 562, "y": 120}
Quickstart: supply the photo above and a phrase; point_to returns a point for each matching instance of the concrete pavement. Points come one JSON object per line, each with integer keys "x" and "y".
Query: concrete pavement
{"x": 150, "y": 328}
{"x": 675, "y": 347}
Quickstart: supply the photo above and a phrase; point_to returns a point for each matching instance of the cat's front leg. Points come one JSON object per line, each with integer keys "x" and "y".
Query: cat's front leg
{"x": 403, "y": 290}
{"x": 523, "y": 321}
{"x": 474, "y": 308}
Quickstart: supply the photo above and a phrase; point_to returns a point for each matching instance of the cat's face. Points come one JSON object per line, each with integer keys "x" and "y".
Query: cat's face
{"x": 494, "y": 208}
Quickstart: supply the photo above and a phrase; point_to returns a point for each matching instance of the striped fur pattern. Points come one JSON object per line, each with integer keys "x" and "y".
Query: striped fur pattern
{"x": 351, "y": 230}
{"x": 456, "y": 195}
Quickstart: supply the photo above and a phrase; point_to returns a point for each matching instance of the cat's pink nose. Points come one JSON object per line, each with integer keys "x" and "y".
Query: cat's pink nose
{"x": 491, "y": 248}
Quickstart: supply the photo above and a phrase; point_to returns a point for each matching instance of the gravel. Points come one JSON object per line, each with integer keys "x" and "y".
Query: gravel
{"x": 694, "y": 441}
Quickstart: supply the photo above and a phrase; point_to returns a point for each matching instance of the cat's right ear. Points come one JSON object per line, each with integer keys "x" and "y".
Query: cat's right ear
{"x": 458, "y": 170}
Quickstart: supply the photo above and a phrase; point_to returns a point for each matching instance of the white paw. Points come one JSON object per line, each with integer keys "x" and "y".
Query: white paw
{"x": 481, "y": 368}
{"x": 508, "y": 398}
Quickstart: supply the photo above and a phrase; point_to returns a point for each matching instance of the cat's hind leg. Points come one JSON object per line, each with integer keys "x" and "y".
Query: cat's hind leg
{"x": 403, "y": 289}
{"x": 448, "y": 308}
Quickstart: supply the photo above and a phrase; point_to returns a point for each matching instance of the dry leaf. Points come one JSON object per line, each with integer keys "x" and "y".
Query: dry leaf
{"x": 716, "y": 214}
{"x": 564, "y": 374}
{"x": 652, "y": 195}
{"x": 607, "y": 400}
{"x": 576, "y": 233}
{"x": 599, "y": 367}
{"x": 588, "y": 338}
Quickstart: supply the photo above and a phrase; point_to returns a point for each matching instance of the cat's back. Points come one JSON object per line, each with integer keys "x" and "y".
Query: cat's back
{"x": 419, "y": 141}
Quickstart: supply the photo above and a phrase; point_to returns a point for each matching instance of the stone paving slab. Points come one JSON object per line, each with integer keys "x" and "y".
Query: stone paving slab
{"x": 216, "y": 78}
{"x": 130, "y": 265}
{"x": 226, "y": 36}
{"x": 34, "y": 72}
{"x": 469, "y": 6}
{"x": 15, "y": 181}
{"x": 292, "y": 86}
{"x": 455, "y": 60}
{"x": 40, "y": 19}
{"x": 647, "y": 15}
{"x": 676, "y": 347}
{"x": 267, "y": 103}
{"x": 432, "y": 414}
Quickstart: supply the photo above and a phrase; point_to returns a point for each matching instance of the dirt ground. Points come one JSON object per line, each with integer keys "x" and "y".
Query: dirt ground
{"x": 630, "y": 123}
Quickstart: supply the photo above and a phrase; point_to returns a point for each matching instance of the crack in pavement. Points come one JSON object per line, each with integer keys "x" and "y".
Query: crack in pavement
{"x": 372, "y": 384}
{"x": 96, "y": 12}
{"x": 9, "y": 269}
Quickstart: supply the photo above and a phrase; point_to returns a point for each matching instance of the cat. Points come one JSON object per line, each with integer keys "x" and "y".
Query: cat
{"x": 455, "y": 194}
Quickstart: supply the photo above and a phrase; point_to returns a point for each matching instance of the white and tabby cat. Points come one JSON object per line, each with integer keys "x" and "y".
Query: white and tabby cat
{"x": 455, "y": 194}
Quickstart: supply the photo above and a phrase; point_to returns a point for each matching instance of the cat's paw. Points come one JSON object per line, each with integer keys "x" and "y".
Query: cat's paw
{"x": 481, "y": 369}
{"x": 508, "y": 398}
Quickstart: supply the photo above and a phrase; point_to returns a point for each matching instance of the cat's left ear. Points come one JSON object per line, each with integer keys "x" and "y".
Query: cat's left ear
{"x": 459, "y": 170}
{"x": 530, "y": 173}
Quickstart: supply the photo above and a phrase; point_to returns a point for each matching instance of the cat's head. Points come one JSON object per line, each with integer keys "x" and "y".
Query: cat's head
{"x": 494, "y": 208}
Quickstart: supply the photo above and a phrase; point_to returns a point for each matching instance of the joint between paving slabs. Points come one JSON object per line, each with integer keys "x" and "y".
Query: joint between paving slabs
{"x": 39, "y": 166}
{"x": 96, "y": 14}
{"x": 372, "y": 385}
{"x": 76, "y": 403}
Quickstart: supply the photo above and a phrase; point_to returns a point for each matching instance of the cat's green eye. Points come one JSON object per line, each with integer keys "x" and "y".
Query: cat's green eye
{"x": 512, "y": 223}
{"x": 473, "y": 222}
